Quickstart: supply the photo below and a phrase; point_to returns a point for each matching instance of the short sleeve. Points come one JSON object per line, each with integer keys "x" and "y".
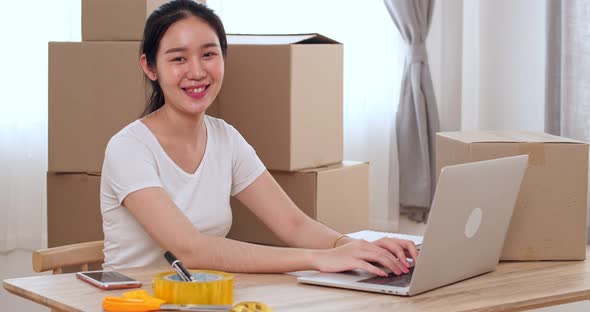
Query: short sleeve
{"x": 246, "y": 165}
{"x": 129, "y": 165}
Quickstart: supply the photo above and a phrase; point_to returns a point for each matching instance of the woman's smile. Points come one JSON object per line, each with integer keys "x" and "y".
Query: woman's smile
{"x": 196, "y": 92}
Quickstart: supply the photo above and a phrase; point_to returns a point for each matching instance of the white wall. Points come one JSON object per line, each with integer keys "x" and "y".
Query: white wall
{"x": 444, "y": 44}
{"x": 487, "y": 59}
{"x": 504, "y": 65}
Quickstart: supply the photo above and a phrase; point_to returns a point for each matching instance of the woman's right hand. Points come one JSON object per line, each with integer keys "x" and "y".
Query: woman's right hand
{"x": 359, "y": 254}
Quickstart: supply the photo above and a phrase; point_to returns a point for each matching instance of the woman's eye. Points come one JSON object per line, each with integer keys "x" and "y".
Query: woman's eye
{"x": 178, "y": 59}
{"x": 208, "y": 54}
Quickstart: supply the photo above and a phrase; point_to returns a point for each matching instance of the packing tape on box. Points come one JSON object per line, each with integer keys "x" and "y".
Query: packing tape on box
{"x": 210, "y": 287}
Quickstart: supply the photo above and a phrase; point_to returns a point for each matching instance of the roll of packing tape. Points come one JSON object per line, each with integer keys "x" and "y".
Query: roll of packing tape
{"x": 210, "y": 287}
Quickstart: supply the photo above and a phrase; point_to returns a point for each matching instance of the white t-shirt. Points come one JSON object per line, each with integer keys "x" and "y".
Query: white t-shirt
{"x": 134, "y": 160}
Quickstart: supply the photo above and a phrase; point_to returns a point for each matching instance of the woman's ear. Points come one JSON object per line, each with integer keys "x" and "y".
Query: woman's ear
{"x": 151, "y": 73}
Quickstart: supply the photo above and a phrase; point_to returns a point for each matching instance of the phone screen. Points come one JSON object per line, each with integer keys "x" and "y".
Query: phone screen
{"x": 108, "y": 276}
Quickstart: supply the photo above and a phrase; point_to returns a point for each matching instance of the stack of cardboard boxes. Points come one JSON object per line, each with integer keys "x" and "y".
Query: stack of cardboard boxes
{"x": 95, "y": 88}
{"x": 283, "y": 93}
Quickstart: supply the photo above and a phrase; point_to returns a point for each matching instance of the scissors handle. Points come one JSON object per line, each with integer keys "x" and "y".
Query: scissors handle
{"x": 118, "y": 304}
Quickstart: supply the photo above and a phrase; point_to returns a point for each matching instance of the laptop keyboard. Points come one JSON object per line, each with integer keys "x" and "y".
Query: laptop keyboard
{"x": 391, "y": 280}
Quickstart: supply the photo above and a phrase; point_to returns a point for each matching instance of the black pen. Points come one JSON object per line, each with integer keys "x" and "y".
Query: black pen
{"x": 180, "y": 269}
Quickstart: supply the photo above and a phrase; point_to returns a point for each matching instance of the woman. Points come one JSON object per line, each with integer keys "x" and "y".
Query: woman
{"x": 168, "y": 177}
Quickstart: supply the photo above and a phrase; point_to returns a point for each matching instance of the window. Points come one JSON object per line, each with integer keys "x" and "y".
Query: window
{"x": 23, "y": 117}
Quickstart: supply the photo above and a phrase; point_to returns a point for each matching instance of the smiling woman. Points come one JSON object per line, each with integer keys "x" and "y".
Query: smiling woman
{"x": 170, "y": 174}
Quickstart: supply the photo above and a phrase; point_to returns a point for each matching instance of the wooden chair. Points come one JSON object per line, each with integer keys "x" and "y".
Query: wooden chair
{"x": 56, "y": 258}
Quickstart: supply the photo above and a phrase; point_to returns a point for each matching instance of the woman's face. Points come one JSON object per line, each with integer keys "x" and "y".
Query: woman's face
{"x": 189, "y": 65}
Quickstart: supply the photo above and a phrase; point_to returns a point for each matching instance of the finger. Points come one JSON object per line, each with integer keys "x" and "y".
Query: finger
{"x": 400, "y": 266}
{"x": 370, "y": 268}
{"x": 396, "y": 248}
{"x": 386, "y": 259}
{"x": 409, "y": 256}
{"x": 411, "y": 250}
{"x": 400, "y": 254}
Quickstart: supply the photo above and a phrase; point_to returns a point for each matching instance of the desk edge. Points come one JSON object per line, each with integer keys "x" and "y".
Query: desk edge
{"x": 18, "y": 291}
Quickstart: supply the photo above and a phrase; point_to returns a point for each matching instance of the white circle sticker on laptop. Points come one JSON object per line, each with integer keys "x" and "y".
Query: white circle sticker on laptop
{"x": 473, "y": 223}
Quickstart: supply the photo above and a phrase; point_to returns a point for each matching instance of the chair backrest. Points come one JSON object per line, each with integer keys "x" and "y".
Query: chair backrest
{"x": 56, "y": 258}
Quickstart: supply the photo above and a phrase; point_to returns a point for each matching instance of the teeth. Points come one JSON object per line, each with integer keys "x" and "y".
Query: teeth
{"x": 201, "y": 89}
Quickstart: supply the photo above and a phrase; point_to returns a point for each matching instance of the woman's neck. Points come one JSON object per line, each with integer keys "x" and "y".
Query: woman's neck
{"x": 168, "y": 123}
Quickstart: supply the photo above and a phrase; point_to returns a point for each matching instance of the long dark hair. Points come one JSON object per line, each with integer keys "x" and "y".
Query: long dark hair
{"x": 156, "y": 25}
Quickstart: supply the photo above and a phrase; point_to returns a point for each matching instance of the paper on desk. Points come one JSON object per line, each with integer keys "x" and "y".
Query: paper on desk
{"x": 374, "y": 235}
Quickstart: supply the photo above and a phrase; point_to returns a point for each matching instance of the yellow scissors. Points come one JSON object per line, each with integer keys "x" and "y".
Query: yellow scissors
{"x": 141, "y": 301}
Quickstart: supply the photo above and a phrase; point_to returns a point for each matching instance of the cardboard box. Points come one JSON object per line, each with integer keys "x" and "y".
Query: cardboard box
{"x": 116, "y": 20}
{"x": 95, "y": 89}
{"x": 284, "y": 93}
{"x": 73, "y": 208}
{"x": 336, "y": 195}
{"x": 549, "y": 220}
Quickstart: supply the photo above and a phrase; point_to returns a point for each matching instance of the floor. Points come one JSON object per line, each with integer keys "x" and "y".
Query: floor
{"x": 407, "y": 226}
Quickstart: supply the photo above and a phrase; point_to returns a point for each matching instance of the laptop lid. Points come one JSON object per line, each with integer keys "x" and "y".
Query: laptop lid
{"x": 468, "y": 222}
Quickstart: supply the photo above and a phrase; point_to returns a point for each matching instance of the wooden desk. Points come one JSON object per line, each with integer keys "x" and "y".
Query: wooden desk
{"x": 513, "y": 286}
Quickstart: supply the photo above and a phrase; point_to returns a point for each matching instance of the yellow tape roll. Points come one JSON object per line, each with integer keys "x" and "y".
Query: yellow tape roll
{"x": 211, "y": 287}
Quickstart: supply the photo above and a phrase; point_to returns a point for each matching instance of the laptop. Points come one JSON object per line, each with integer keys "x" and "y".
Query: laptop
{"x": 467, "y": 225}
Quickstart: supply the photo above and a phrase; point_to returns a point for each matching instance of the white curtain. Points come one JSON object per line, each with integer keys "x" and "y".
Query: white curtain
{"x": 26, "y": 29}
{"x": 373, "y": 63}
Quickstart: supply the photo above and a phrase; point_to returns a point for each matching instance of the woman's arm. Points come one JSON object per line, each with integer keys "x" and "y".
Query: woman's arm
{"x": 267, "y": 200}
{"x": 166, "y": 224}
{"x": 172, "y": 230}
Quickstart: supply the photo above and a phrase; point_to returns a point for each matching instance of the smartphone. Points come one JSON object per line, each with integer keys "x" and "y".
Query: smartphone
{"x": 108, "y": 280}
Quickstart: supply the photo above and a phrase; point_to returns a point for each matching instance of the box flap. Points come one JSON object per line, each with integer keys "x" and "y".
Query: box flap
{"x": 506, "y": 136}
{"x": 346, "y": 163}
{"x": 278, "y": 39}
{"x": 80, "y": 173}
